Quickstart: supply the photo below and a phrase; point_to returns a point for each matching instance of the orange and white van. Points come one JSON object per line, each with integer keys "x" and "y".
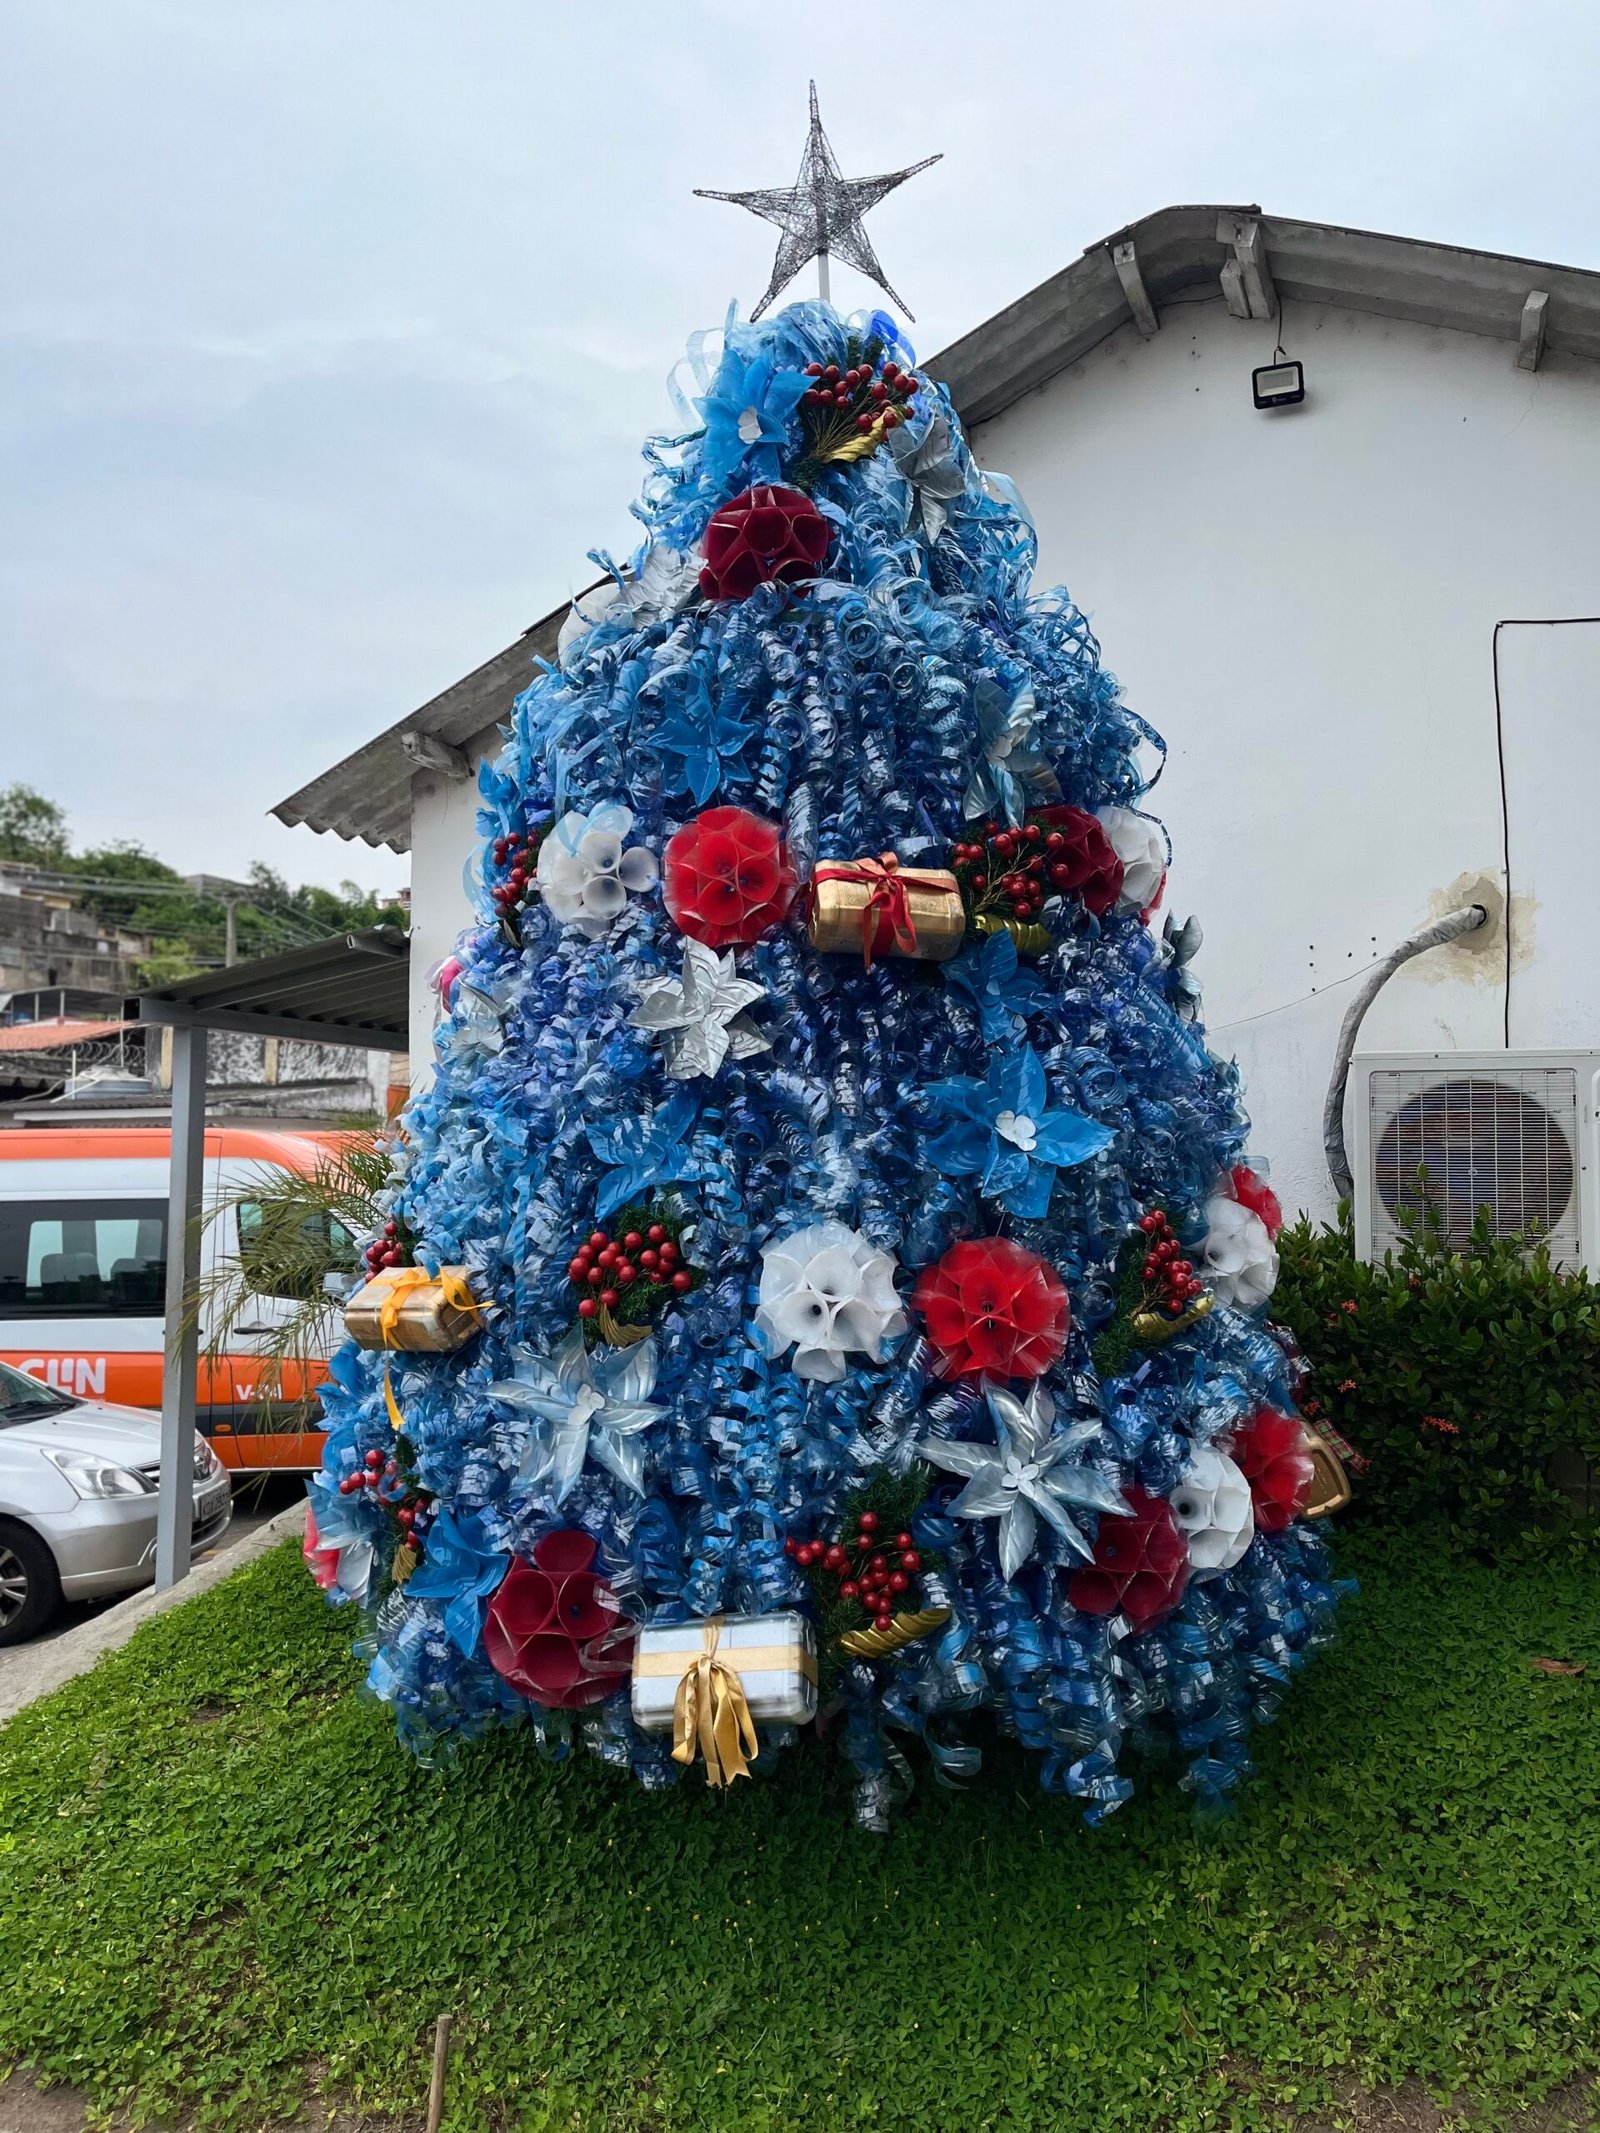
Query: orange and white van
{"x": 83, "y": 1270}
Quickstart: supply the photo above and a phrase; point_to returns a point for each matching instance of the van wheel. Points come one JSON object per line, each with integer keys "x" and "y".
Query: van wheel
{"x": 30, "y": 1590}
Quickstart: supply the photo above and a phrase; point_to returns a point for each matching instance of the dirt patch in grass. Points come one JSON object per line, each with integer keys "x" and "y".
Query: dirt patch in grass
{"x": 1409, "y": 2108}
{"x": 27, "y": 2108}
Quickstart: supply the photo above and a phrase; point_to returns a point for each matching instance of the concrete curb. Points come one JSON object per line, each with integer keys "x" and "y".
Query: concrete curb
{"x": 30, "y": 1675}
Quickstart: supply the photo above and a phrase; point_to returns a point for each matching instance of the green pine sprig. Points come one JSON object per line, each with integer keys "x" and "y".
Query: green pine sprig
{"x": 895, "y": 1500}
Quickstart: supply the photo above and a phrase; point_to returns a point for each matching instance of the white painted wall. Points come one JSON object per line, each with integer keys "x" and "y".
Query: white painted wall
{"x": 1304, "y": 603}
{"x": 444, "y": 836}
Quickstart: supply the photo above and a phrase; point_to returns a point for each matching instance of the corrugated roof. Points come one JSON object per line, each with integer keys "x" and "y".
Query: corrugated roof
{"x": 368, "y": 795}
{"x": 352, "y": 988}
{"x": 53, "y": 1036}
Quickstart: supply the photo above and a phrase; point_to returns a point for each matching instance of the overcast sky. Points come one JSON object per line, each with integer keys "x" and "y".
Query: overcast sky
{"x": 329, "y": 331}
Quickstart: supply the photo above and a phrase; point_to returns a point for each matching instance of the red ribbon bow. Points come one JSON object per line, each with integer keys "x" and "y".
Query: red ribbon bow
{"x": 886, "y": 914}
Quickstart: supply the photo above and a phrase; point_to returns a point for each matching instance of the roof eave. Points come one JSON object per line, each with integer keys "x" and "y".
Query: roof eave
{"x": 367, "y": 795}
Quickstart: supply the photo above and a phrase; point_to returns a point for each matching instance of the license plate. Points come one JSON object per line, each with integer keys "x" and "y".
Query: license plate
{"x": 208, "y": 1506}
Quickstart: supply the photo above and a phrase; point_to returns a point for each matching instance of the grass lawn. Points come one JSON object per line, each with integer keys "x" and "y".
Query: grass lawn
{"x": 223, "y": 1890}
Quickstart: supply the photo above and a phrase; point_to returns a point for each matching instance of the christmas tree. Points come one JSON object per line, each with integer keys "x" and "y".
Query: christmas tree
{"x": 838, "y": 1280}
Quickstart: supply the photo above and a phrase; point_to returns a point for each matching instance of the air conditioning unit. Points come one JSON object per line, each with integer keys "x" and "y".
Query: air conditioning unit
{"x": 1511, "y": 1131}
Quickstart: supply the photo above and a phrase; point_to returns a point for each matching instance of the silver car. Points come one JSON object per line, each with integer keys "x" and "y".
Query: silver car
{"x": 78, "y": 1483}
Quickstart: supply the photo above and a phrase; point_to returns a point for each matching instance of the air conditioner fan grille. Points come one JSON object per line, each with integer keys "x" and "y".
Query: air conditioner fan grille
{"x": 1504, "y": 1141}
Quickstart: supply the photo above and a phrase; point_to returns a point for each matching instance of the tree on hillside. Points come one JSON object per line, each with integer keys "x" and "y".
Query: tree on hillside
{"x": 32, "y": 828}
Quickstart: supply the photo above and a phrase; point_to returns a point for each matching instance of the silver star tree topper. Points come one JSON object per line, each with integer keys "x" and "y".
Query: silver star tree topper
{"x": 820, "y": 214}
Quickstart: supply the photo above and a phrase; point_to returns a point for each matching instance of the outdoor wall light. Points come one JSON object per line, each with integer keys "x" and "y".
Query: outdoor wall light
{"x": 1280, "y": 384}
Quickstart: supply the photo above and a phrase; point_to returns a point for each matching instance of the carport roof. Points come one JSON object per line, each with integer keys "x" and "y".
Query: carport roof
{"x": 349, "y": 989}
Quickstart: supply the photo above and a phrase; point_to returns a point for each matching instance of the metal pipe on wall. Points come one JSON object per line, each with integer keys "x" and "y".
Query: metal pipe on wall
{"x": 1449, "y": 928}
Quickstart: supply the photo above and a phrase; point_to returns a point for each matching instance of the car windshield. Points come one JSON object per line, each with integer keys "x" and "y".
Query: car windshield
{"x": 22, "y": 1398}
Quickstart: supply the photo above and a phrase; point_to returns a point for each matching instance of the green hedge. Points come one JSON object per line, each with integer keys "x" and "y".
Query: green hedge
{"x": 1466, "y": 1380}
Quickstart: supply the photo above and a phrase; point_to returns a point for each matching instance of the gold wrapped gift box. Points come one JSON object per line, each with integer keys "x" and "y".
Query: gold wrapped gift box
{"x": 408, "y": 1308}
{"x": 1330, "y": 1484}
{"x": 876, "y": 907}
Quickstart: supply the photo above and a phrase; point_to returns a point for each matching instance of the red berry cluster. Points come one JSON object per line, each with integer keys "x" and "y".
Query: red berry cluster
{"x": 1008, "y": 873}
{"x": 518, "y": 853}
{"x": 1166, "y": 1272}
{"x": 867, "y": 393}
{"x": 391, "y": 1248}
{"x": 863, "y": 1566}
{"x": 605, "y": 1266}
{"x": 386, "y": 1484}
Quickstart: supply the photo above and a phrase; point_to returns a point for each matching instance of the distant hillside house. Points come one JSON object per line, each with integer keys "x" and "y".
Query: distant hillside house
{"x": 1368, "y": 625}
{"x": 48, "y": 939}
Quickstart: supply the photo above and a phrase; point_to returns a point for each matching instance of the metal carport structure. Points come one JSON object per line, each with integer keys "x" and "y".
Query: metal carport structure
{"x": 349, "y": 989}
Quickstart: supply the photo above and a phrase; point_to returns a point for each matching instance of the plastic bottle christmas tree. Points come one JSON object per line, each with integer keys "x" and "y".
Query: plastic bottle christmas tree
{"x": 823, "y": 1274}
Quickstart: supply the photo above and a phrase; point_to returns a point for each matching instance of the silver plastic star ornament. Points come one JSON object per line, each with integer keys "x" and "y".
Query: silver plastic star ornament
{"x": 821, "y": 214}
{"x": 699, "y": 1018}
{"x": 1025, "y": 1474}
{"x": 590, "y": 1405}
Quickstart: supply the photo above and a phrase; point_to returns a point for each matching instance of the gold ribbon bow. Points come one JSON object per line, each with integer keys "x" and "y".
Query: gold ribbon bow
{"x": 396, "y": 1290}
{"x": 886, "y": 914}
{"x": 405, "y": 1280}
{"x": 457, "y": 1294}
{"x": 408, "y": 1278}
{"x": 710, "y": 1714}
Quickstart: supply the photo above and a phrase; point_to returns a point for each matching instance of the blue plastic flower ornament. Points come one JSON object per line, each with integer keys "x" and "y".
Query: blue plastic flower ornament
{"x": 461, "y": 1568}
{"x": 999, "y": 985}
{"x": 595, "y": 1405}
{"x": 702, "y": 736}
{"x": 641, "y": 1152}
{"x": 747, "y": 414}
{"x": 1013, "y": 774}
{"x": 1002, "y": 1130}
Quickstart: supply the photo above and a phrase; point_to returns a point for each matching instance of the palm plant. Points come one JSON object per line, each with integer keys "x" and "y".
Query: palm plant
{"x": 298, "y": 1233}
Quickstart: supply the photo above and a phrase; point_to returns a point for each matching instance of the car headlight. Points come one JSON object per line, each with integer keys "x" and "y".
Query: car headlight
{"x": 93, "y": 1477}
{"x": 207, "y": 1466}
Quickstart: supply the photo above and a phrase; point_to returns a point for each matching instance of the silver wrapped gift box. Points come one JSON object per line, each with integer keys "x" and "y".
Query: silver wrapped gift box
{"x": 774, "y": 1656}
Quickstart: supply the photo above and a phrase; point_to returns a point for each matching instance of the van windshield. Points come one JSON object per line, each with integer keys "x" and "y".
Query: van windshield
{"x": 22, "y": 1397}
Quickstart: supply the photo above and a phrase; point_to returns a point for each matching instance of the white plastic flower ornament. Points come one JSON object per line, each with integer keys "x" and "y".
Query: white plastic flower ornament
{"x": 1139, "y": 843}
{"x": 584, "y": 871}
{"x": 1240, "y": 1261}
{"x": 827, "y": 1292}
{"x": 1212, "y": 1505}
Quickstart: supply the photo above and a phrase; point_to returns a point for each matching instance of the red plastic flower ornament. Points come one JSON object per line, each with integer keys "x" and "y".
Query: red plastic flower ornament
{"x": 1251, "y": 1190}
{"x": 993, "y": 1309}
{"x": 765, "y": 535}
{"x": 554, "y": 1628}
{"x": 1084, "y": 863}
{"x": 1271, "y": 1452}
{"x": 323, "y": 1563}
{"x": 1140, "y": 1567}
{"x": 727, "y": 878}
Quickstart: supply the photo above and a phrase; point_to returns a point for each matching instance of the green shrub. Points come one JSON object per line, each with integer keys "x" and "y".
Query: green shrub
{"x": 1461, "y": 1377}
